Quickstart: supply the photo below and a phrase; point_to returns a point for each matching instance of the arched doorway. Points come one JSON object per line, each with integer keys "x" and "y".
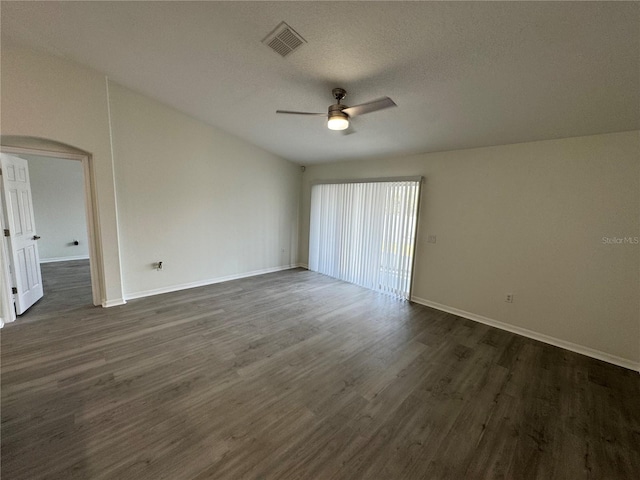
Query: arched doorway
{"x": 30, "y": 146}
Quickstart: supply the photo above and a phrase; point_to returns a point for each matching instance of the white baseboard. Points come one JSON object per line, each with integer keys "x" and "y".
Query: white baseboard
{"x": 303, "y": 265}
{"x": 590, "y": 352}
{"x": 113, "y": 303}
{"x": 4, "y": 321}
{"x": 203, "y": 283}
{"x": 64, "y": 259}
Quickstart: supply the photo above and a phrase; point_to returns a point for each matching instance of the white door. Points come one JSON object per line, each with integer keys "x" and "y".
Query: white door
{"x": 23, "y": 246}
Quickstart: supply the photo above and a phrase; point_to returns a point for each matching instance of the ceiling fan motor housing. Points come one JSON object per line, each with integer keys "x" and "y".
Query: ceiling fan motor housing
{"x": 336, "y": 111}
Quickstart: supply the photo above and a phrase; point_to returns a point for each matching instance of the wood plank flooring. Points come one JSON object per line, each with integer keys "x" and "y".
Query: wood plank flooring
{"x": 67, "y": 286}
{"x": 294, "y": 375}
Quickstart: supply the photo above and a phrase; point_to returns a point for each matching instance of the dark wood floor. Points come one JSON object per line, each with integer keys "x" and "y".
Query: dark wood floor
{"x": 294, "y": 375}
{"x": 67, "y": 286}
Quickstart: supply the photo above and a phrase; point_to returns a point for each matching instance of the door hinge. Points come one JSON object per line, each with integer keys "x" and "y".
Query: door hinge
{"x": 14, "y": 290}
{"x": 6, "y": 232}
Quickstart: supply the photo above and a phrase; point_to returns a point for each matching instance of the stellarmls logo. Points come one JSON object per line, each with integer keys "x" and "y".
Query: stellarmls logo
{"x": 620, "y": 240}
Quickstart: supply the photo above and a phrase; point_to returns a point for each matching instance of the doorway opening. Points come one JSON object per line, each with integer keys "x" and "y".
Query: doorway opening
{"x": 70, "y": 266}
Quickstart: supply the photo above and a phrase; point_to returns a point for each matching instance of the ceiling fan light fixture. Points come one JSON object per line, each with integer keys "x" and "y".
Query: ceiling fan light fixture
{"x": 338, "y": 121}
{"x": 339, "y": 114}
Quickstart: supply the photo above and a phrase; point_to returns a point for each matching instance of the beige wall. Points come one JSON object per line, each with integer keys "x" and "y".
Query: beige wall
{"x": 527, "y": 219}
{"x": 47, "y": 97}
{"x": 206, "y": 204}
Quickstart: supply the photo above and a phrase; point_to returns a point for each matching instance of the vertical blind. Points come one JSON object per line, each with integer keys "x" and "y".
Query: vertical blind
{"x": 364, "y": 233}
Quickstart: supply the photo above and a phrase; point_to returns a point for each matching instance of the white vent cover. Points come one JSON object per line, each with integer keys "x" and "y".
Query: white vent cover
{"x": 284, "y": 39}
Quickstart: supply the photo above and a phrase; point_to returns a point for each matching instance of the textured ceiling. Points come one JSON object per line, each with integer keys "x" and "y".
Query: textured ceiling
{"x": 463, "y": 74}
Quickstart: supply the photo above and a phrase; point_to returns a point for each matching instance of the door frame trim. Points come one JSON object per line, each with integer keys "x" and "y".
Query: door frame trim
{"x": 95, "y": 257}
{"x": 7, "y": 308}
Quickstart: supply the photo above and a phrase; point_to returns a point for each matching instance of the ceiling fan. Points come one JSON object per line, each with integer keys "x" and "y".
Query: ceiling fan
{"x": 338, "y": 115}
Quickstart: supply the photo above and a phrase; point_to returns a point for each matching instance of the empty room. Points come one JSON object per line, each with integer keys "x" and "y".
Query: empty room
{"x": 320, "y": 240}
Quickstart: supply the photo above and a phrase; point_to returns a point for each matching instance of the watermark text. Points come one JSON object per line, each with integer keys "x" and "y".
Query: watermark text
{"x": 620, "y": 240}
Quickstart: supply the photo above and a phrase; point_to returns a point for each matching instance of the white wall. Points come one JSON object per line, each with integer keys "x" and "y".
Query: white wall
{"x": 57, "y": 189}
{"x": 205, "y": 203}
{"x": 527, "y": 219}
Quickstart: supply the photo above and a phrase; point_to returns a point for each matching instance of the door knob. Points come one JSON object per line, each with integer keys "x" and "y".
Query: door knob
{"x": 36, "y": 237}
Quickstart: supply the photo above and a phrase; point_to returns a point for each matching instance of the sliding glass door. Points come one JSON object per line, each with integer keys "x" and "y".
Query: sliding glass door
{"x": 364, "y": 233}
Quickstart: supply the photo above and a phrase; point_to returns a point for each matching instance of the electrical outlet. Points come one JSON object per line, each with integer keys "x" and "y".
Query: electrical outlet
{"x": 431, "y": 239}
{"x": 509, "y": 298}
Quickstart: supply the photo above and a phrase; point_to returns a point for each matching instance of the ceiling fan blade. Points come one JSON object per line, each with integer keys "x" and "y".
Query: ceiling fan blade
{"x": 301, "y": 113}
{"x": 375, "y": 105}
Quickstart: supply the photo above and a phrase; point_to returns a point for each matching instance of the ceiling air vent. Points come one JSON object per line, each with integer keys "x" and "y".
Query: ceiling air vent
{"x": 284, "y": 39}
